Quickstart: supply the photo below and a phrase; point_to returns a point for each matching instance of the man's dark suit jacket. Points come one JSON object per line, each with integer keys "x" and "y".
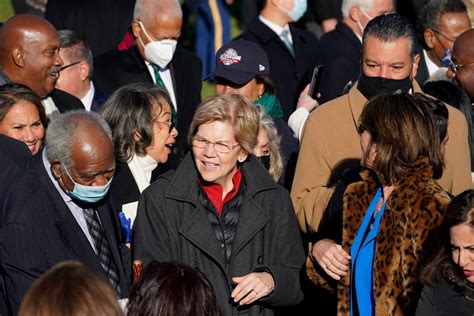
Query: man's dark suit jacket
{"x": 98, "y": 100}
{"x": 116, "y": 68}
{"x": 422, "y": 74}
{"x": 39, "y": 231}
{"x": 290, "y": 75}
{"x": 65, "y": 102}
{"x": 341, "y": 51}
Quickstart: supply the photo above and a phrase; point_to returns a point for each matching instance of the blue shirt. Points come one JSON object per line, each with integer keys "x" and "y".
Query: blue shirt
{"x": 362, "y": 253}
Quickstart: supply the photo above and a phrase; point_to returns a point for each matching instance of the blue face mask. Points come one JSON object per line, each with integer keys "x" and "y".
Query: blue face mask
{"x": 446, "y": 59}
{"x": 88, "y": 194}
{"x": 298, "y": 10}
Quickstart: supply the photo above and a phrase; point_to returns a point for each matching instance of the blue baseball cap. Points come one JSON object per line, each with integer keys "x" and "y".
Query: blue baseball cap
{"x": 240, "y": 61}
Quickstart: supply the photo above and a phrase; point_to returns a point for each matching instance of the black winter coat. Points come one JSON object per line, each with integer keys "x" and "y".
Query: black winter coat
{"x": 173, "y": 225}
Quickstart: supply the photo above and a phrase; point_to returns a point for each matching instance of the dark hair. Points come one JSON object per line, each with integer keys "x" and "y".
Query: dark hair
{"x": 169, "y": 289}
{"x": 12, "y": 93}
{"x": 80, "y": 51}
{"x": 404, "y": 130}
{"x": 391, "y": 27}
{"x": 440, "y": 111}
{"x": 455, "y": 96}
{"x": 130, "y": 110}
{"x": 69, "y": 288}
{"x": 269, "y": 86}
{"x": 459, "y": 211}
{"x": 430, "y": 14}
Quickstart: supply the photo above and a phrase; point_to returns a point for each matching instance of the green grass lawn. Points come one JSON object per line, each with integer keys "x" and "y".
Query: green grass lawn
{"x": 6, "y": 10}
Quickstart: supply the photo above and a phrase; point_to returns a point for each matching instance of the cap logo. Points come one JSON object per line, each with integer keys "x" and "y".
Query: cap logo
{"x": 230, "y": 57}
{"x": 261, "y": 67}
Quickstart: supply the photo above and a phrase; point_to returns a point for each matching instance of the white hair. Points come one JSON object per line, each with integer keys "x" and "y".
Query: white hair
{"x": 348, "y": 4}
{"x": 146, "y": 10}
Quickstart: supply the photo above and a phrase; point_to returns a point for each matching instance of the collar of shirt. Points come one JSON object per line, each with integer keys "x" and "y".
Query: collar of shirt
{"x": 49, "y": 106}
{"x": 276, "y": 28}
{"x": 432, "y": 67}
{"x": 89, "y": 97}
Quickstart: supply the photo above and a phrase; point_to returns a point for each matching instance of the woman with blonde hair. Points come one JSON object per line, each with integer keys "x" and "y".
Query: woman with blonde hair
{"x": 222, "y": 213}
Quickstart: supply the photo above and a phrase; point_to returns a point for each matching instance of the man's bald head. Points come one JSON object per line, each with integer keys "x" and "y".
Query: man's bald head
{"x": 29, "y": 53}
{"x": 463, "y": 59}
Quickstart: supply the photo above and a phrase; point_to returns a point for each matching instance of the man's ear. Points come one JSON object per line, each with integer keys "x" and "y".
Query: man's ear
{"x": 83, "y": 71}
{"x": 416, "y": 62}
{"x": 56, "y": 168}
{"x": 429, "y": 37}
{"x": 18, "y": 56}
{"x": 354, "y": 13}
{"x": 136, "y": 28}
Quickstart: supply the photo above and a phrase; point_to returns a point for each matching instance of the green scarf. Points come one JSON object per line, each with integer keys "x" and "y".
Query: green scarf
{"x": 271, "y": 105}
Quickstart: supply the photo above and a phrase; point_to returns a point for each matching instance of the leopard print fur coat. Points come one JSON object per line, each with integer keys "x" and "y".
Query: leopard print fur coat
{"x": 415, "y": 207}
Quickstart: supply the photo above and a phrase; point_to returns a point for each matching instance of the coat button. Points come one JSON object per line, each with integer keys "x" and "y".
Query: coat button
{"x": 222, "y": 245}
{"x": 260, "y": 260}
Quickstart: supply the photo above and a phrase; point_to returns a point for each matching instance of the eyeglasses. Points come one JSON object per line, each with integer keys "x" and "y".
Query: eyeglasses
{"x": 170, "y": 124}
{"x": 456, "y": 68}
{"x": 448, "y": 38}
{"x": 218, "y": 146}
{"x": 70, "y": 65}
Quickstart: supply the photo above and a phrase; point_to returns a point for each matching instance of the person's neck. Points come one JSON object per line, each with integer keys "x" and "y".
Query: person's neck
{"x": 386, "y": 191}
{"x": 432, "y": 56}
{"x": 352, "y": 25}
{"x": 85, "y": 87}
{"x": 275, "y": 15}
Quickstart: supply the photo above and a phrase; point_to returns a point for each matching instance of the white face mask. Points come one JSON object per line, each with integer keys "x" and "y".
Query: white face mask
{"x": 158, "y": 52}
{"x": 361, "y": 27}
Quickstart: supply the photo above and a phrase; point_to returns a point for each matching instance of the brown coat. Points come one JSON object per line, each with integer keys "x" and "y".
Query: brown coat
{"x": 330, "y": 144}
{"x": 415, "y": 207}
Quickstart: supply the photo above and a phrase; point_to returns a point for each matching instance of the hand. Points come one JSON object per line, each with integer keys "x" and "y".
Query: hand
{"x": 305, "y": 101}
{"x": 331, "y": 257}
{"x": 229, "y": 2}
{"x": 252, "y": 287}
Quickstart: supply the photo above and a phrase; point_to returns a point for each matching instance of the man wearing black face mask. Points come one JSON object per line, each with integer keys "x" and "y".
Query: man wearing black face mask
{"x": 330, "y": 142}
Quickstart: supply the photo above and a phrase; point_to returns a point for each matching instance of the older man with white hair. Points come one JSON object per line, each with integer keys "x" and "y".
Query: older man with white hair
{"x": 58, "y": 209}
{"x": 155, "y": 58}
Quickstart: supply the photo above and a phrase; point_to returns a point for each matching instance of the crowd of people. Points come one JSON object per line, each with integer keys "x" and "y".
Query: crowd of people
{"x": 123, "y": 193}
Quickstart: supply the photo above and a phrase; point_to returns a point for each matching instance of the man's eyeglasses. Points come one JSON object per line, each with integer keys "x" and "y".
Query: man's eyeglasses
{"x": 448, "y": 38}
{"x": 218, "y": 146}
{"x": 170, "y": 124}
{"x": 70, "y": 65}
{"x": 456, "y": 68}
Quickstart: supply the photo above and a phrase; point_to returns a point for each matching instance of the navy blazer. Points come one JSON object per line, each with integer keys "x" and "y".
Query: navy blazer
{"x": 341, "y": 51}
{"x": 115, "y": 69}
{"x": 39, "y": 231}
{"x": 290, "y": 75}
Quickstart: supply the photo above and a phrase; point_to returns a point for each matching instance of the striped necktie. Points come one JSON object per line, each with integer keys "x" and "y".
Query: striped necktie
{"x": 102, "y": 247}
{"x": 161, "y": 84}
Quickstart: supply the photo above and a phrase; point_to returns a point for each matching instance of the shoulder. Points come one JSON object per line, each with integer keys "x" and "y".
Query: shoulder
{"x": 331, "y": 111}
